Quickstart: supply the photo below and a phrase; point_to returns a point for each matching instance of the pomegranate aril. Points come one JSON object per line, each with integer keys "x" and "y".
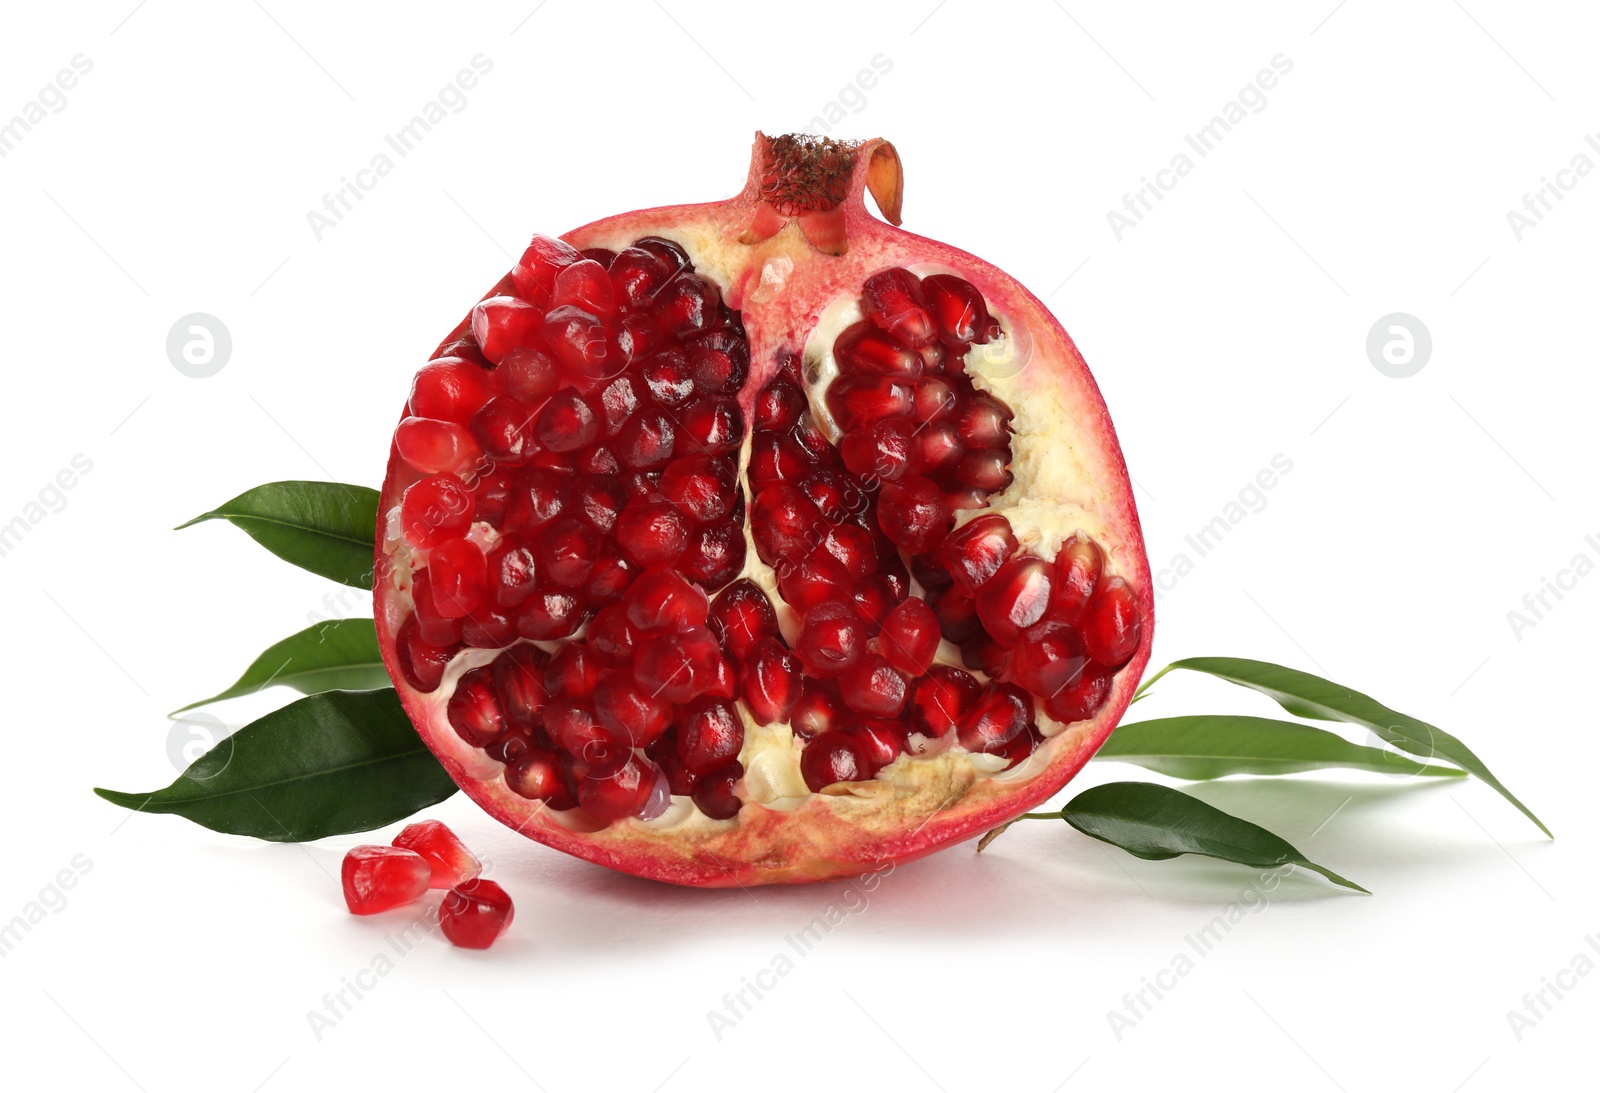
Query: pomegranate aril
{"x": 811, "y": 442}
{"x": 435, "y": 509}
{"x": 381, "y": 878}
{"x": 637, "y": 275}
{"x": 984, "y": 471}
{"x": 457, "y": 577}
{"x": 686, "y": 304}
{"x": 885, "y": 451}
{"x": 617, "y": 402}
{"x": 661, "y": 600}
{"x": 819, "y": 709}
{"x": 679, "y": 669}
{"x": 715, "y": 555}
{"x": 771, "y": 682}
{"x": 910, "y": 637}
{"x": 815, "y": 579}
{"x": 549, "y": 614}
{"x": 577, "y": 731}
{"x": 540, "y": 495}
{"x": 872, "y": 687}
{"x": 975, "y": 551}
{"x": 503, "y": 323}
{"x": 519, "y": 683}
{"x": 741, "y": 617}
{"x": 535, "y": 273}
{"x": 880, "y": 742}
{"x": 940, "y": 699}
{"x": 702, "y": 485}
{"x": 779, "y": 405}
{"x": 432, "y": 446}
{"x": 831, "y": 639}
{"x": 565, "y": 552}
{"x": 474, "y": 709}
{"x": 667, "y": 378}
{"x": 1022, "y": 745}
{"x": 935, "y": 400}
{"x": 831, "y": 758}
{"x": 611, "y": 636}
{"x": 710, "y": 736}
{"x": 957, "y": 613}
{"x": 783, "y": 522}
{"x": 858, "y": 401}
{"x": 584, "y": 284}
{"x": 652, "y": 530}
{"x": 527, "y": 374}
{"x": 1082, "y": 698}
{"x": 421, "y": 662}
{"x": 577, "y": 338}
{"x": 510, "y": 572}
{"x": 598, "y": 499}
{"x": 913, "y": 513}
{"x": 958, "y": 311}
{"x": 712, "y": 426}
{"x": 631, "y": 710}
{"x": 1015, "y": 598}
{"x": 983, "y": 654}
{"x": 714, "y": 793}
{"x": 984, "y": 422}
{"x": 836, "y": 497}
{"x": 894, "y": 301}
{"x": 1111, "y": 623}
{"x": 669, "y": 252}
{"x": 852, "y": 547}
{"x": 492, "y": 491}
{"x": 1048, "y": 657}
{"x": 611, "y": 577}
{"x": 865, "y": 350}
{"x": 775, "y": 458}
{"x": 620, "y": 793}
{"x": 680, "y": 779}
{"x": 647, "y": 441}
{"x": 572, "y": 673}
{"x": 474, "y": 915}
{"x": 449, "y": 860}
{"x": 489, "y": 628}
{"x": 565, "y": 423}
{"x": 719, "y": 362}
{"x": 449, "y": 389}
{"x": 995, "y": 720}
{"x": 874, "y": 598}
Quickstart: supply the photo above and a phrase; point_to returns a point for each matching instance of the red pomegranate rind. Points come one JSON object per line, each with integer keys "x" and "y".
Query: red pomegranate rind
{"x": 738, "y": 361}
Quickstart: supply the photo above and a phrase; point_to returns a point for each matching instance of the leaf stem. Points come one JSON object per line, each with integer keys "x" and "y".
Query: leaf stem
{"x": 1147, "y": 684}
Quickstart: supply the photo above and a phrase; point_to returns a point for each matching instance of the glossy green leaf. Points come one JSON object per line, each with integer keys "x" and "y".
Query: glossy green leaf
{"x": 326, "y": 527}
{"x": 329, "y": 764}
{"x": 1306, "y": 695}
{"x": 1215, "y": 745}
{"x": 1157, "y": 822}
{"x": 339, "y": 655}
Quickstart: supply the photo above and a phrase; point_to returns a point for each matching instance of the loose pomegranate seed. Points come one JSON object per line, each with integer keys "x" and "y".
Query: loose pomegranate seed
{"x": 503, "y": 323}
{"x": 866, "y": 350}
{"x": 942, "y": 698}
{"x": 858, "y": 401}
{"x": 995, "y": 720}
{"x": 449, "y": 389}
{"x": 715, "y": 793}
{"x": 702, "y": 485}
{"x": 421, "y": 662}
{"x": 566, "y": 423}
{"x": 474, "y": 709}
{"x": 474, "y": 915}
{"x": 621, "y": 793}
{"x": 536, "y": 775}
{"x": 831, "y": 758}
{"x": 630, "y": 710}
{"x": 1015, "y": 598}
{"x": 880, "y": 742}
{"x": 458, "y": 577}
{"x": 771, "y": 682}
{"x": 779, "y": 405}
{"x": 1111, "y": 623}
{"x": 519, "y": 684}
{"x": 913, "y": 513}
{"x": 661, "y": 600}
{"x": 432, "y": 446}
{"x": 783, "y": 521}
{"x": 958, "y": 311}
{"x": 832, "y": 638}
{"x": 449, "y": 861}
{"x": 611, "y": 636}
{"x": 652, "y": 530}
{"x": 679, "y": 669}
{"x": 1048, "y": 657}
{"x": 535, "y": 273}
{"x": 894, "y": 301}
{"x": 975, "y": 551}
{"x": 710, "y": 737}
{"x": 549, "y": 614}
{"x": 1083, "y": 698}
{"x": 381, "y": 878}
{"x": 820, "y": 709}
{"x": 871, "y": 686}
{"x": 741, "y": 616}
{"x": 584, "y": 285}
{"x": 910, "y": 637}
{"x": 886, "y": 451}
{"x": 436, "y": 508}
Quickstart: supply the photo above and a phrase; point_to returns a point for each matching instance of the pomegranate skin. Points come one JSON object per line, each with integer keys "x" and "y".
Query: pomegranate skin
{"x": 782, "y": 272}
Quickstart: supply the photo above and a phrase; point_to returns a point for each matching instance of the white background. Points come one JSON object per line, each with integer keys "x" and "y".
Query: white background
{"x": 1228, "y": 327}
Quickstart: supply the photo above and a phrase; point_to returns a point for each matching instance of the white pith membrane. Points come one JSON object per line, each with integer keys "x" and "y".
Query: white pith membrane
{"x": 1053, "y": 496}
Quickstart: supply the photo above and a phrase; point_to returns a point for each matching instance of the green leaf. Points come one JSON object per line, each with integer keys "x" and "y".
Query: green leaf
{"x": 330, "y": 764}
{"x": 1306, "y": 695}
{"x": 340, "y": 655}
{"x": 326, "y": 527}
{"x": 1214, "y": 745}
{"x": 1157, "y": 822}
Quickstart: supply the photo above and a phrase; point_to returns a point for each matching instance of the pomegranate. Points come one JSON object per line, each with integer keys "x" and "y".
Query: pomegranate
{"x": 760, "y": 541}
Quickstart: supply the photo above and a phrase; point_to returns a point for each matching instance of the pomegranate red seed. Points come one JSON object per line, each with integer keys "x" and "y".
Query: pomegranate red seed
{"x": 527, "y": 374}
{"x": 488, "y": 628}
{"x": 652, "y": 530}
{"x": 578, "y": 339}
{"x": 836, "y": 497}
{"x": 820, "y": 708}
{"x": 669, "y": 252}
{"x": 504, "y": 428}
{"x": 566, "y": 423}
{"x": 811, "y": 442}
{"x": 519, "y": 683}
{"x": 832, "y": 638}
{"x": 1022, "y": 745}
{"x": 715, "y": 555}
{"x": 493, "y": 494}
{"x": 938, "y": 450}
{"x": 910, "y": 637}
{"x": 661, "y": 600}
{"x": 775, "y": 458}
{"x": 885, "y": 451}
{"x": 711, "y": 426}
{"x": 421, "y": 662}
{"x": 1048, "y": 657}
{"x": 434, "y": 627}
{"x": 875, "y": 597}
{"x": 680, "y": 779}
{"x": 381, "y": 878}
{"x": 1111, "y": 623}
{"x": 880, "y": 742}
{"x": 510, "y": 572}
{"x": 818, "y": 577}
{"x": 1014, "y": 598}
{"x": 474, "y": 915}
{"x": 866, "y": 350}
{"x": 784, "y": 522}
{"x": 686, "y": 304}
{"x": 437, "y": 508}
{"x": 831, "y": 758}
{"x": 572, "y": 673}
{"x": 637, "y": 275}
{"x": 995, "y": 720}
{"x": 852, "y": 547}
{"x": 503, "y": 323}
{"x": 611, "y": 636}
{"x": 719, "y": 362}
{"x": 536, "y": 775}
{"x": 893, "y": 300}
{"x": 449, "y": 861}
{"x": 726, "y": 682}
{"x": 983, "y": 654}
{"x": 458, "y": 577}
{"x": 666, "y": 377}
{"x": 913, "y": 513}
{"x": 958, "y": 615}
{"x": 983, "y": 471}
{"x": 715, "y": 793}
{"x": 779, "y": 405}
{"x": 942, "y": 698}
{"x": 871, "y": 686}
{"x": 432, "y": 446}
{"x": 620, "y": 793}
{"x": 958, "y": 311}
{"x": 678, "y": 669}
{"x": 549, "y": 614}
{"x": 771, "y": 682}
{"x": 449, "y": 389}
{"x": 984, "y": 422}
{"x": 1082, "y": 698}
{"x": 935, "y": 400}
{"x": 565, "y": 552}
{"x": 541, "y": 495}
{"x": 647, "y": 441}
{"x": 585, "y": 285}
{"x": 535, "y": 273}
{"x": 578, "y": 732}
{"x": 858, "y": 401}
{"x": 702, "y": 485}
{"x": 474, "y": 709}
{"x": 630, "y": 710}
{"x": 974, "y": 552}
{"x": 617, "y": 401}
{"x": 598, "y": 498}
{"x": 1078, "y": 566}
{"x": 741, "y": 616}
{"x": 611, "y": 577}
{"x": 710, "y": 737}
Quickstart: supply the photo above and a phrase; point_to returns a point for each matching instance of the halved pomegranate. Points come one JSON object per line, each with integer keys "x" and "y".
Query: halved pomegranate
{"x": 760, "y": 541}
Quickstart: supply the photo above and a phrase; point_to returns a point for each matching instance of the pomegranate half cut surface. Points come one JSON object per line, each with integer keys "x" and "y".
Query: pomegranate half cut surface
{"x": 760, "y": 541}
